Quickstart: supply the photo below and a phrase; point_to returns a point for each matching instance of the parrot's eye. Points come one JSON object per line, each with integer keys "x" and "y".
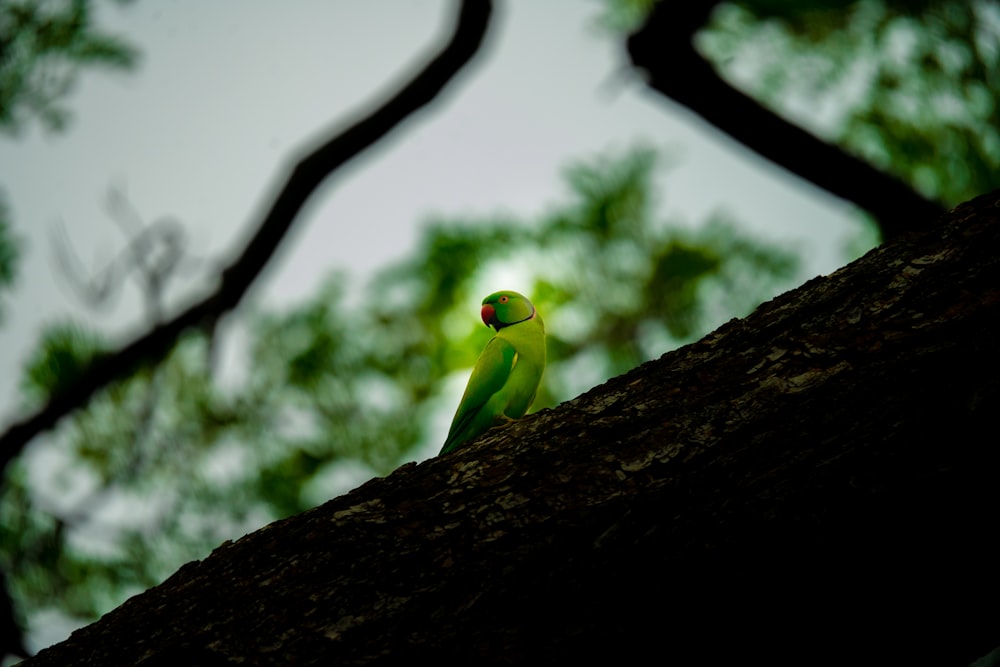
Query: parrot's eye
{"x": 504, "y": 299}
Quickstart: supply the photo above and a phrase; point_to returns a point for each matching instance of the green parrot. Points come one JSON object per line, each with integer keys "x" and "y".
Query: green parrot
{"x": 507, "y": 373}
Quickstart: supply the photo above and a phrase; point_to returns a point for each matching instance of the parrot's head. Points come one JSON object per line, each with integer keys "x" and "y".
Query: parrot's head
{"x": 501, "y": 309}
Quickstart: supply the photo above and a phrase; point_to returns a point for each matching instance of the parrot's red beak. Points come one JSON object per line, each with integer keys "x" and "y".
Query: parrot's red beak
{"x": 488, "y": 313}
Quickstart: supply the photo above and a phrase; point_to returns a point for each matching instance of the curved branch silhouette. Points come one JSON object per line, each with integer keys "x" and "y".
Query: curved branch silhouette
{"x": 663, "y": 48}
{"x": 469, "y": 30}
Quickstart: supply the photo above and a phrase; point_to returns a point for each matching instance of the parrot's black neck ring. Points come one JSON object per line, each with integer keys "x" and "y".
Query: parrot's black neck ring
{"x": 498, "y": 325}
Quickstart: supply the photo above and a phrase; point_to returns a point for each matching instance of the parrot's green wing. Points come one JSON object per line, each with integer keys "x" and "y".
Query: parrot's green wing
{"x": 492, "y": 370}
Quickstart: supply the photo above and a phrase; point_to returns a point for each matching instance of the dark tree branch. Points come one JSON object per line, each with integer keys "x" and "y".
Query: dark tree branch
{"x": 470, "y": 28}
{"x": 813, "y": 484}
{"x": 663, "y": 47}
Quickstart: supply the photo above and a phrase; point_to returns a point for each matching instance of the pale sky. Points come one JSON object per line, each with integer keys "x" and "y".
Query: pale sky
{"x": 205, "y": 127}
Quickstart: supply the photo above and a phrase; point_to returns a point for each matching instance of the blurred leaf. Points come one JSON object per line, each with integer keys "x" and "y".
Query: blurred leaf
{"x": 9, "y": 252}
{"x": 624, "y": 16}
{"x": 43, "y": 48}
{"x": 64, "y": 352}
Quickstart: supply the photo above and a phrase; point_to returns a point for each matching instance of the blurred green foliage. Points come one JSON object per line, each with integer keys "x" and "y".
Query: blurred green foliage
{"x": 9, "y": 253}
{"x": 912, "y": 87}
{"x": 44, "y": 44}
{"x": 63, "y": 353}
{"x": 337, "y": 389}
{"x": 624, "y": 16}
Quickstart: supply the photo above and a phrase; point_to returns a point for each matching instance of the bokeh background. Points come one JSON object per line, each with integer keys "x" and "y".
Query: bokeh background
{"x": 141, "y": 142}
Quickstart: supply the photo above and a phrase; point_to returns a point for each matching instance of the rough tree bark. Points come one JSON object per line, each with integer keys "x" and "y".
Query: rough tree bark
{"x": 813, "y": 484}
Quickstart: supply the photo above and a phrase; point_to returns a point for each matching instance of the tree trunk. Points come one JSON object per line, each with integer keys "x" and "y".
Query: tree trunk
{"x": 814, "y": 484}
